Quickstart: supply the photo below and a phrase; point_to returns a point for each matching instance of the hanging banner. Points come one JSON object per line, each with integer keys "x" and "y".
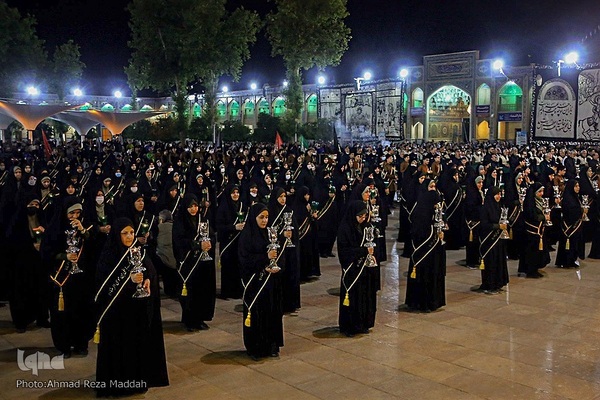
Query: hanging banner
{"x": 588, "y": 111}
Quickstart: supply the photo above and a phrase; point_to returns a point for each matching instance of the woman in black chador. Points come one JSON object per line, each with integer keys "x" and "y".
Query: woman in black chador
{"x": 571, "y": 244}
{"x": 473, "y": 205}
{"x": 426, "y": 286}
{"x": 199, "y": 277}
{"x": 492, "y": 248}
{"x": 358, "y": 288}
{"x": 310, "y": 264}
{"x": 536, "y": 253}
{"x": 263, "y": 314}
{"x": 230, "y": 222}
{"x": 129, "y": 332}
{"x": 454, "y": 198}
{"x": 289, "y": 260}
{"x": 71, "y": 294}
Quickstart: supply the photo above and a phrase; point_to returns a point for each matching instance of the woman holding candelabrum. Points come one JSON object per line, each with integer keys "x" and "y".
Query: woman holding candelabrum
{"x": 536, "y": 251}
{"x": 129, "y": 325}
{"x": 358, "y": 289}
{"x": 230, "y": 220}
{"x": 282, "y": 218}
{"x": 571, "y": 244}
{"x": 426, "y": 282}
{"x": 492, "y": 247}
{"x": 66, "y": 252}
{"x": 473, "y": 206}
{"x": 586, "y": 188}
{"x": 261, "y": 279}
{"x": 191, "y": 246}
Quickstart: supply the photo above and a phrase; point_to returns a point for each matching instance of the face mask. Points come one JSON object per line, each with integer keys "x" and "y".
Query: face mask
{"x": 32, "y": 181}
{"x": 253, "y": 194}
{"x": 118, "y": 174}
{"x": 134, "y": 189}
{"x": 31, "y": 210}
{"x": 99, "y": 200}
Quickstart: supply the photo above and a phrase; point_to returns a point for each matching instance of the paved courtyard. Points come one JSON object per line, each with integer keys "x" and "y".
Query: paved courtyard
{"x": 540, "y": 339}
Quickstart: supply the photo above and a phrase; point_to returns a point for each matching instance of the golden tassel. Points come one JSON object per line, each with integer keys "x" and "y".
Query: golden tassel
{"x": 482, "y": 265}
{"x": 510, "y": 234}
{"x": 97, "y": 334}
{"x": 61, "y": 301}
{"x": 184, "y": 290}
{"x": 568, "y": 245}
{"x": 541, "y": 246}
{"x": 346, "y": 300}
{"x": 247, "y": 322}
{"x": 413, "y": 274}
{"x": 470, "y": 235}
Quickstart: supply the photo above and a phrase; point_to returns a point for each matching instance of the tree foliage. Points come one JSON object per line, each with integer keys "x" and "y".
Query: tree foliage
{"x": 307, "y": 33}
{"x": 176, "y": 43}
{"x": 21, "y": 51}
{"x": 67, "y": 68}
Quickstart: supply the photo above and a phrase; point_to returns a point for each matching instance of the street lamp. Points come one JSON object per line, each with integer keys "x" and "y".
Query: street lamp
{"x": 253, "y": 86}
{"x": 366, "y": 77}
{"x": 570, "y": 58}
{"x": 321, "y": 80}
{"x": 225, "y": 89}
{"x": 77, "y": 92}
{"x": 32, "y": 91}
{"x": 118, "y": 94}
{"x": 285, "y": 83}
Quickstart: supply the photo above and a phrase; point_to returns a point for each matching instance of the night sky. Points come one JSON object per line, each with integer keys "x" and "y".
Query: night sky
{"x": 386, "y": 35}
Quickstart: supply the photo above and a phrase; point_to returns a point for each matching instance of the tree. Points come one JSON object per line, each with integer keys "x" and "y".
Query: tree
{"x": 67, "y": 68}
{"x": 306, "y": 33}
{"x": 177, "y": 43}
{"x": 235, "y": 131}
{"x": 21, "y": 51}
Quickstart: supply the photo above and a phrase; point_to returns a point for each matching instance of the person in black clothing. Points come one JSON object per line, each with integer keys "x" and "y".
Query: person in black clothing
{"x": 358, "y": 284}
{"x": 536, "y": 252}
{"x": 571, "y": 245}
{"x": 426, "y": 282}
{"x": 199, "y": 277}
{"x": 263, "y": 314}
{"x": 129, "y": 330}
{"x": 492, "y": 248}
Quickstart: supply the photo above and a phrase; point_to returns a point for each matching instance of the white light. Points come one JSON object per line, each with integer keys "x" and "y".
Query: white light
{"x": 32, "y": 91}
{"x": 571, "y": 58}
{"x": 253, "y": 86}
{"x": 321, "y": 80}
{"x": 367, "y": 75}
{"x": 118, "y": 94}
{"x": 498, "y": 64}
{"x": 77, "y": 92}
{"x": 285, "y": 83}
{"x": 225, "y": 89}
{"x": 403, "y": 73}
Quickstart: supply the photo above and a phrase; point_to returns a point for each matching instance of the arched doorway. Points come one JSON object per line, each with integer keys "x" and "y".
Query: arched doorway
{"x": 417, "y": 131}
{"x": 483, "y": 131}
{"x": 449, "y": 114}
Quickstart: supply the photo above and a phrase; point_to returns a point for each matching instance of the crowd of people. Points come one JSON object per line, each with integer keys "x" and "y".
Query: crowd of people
{"x": 95, "y": 233}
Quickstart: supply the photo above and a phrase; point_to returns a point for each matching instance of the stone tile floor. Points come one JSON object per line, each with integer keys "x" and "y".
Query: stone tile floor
{"x": 540, "y": 339}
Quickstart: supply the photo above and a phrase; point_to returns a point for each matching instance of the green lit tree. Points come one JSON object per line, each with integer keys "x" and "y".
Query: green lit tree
{"x": 21, "y": 51}
{"x": 177, "y": 43}
{"x": 67, "y": 68}
{"x": 307, "y": 33}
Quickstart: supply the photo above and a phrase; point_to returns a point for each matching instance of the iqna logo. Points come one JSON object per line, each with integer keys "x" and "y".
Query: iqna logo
{"x": 37, "y": 361}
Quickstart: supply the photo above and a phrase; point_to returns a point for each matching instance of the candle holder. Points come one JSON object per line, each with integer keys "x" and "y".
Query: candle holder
{"x": 369, "y": 237}
{"x": 287, "y": 226}
{"x": 585, "y": 204}
{"x": 136, "y": 259}
{"x": 556, "y": 197}
{"x": 439, "y": 223}
{"x": 73, "y": 248}
{"x": 522, "y": 194}
{"x": 273, "y": 245}
{"x": 546, "y": 210}
{"x": 504, "y": 220}
{"x": 375, "y": 213}
{"x": 204, "y": 237}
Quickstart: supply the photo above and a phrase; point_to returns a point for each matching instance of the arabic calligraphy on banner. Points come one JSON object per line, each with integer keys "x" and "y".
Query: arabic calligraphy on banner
{"x": 555, "y": 118}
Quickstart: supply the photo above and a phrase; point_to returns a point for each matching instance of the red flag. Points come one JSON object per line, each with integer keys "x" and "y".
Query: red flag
{"x": 278, "y": 141}
{"x": 47, "y": 148}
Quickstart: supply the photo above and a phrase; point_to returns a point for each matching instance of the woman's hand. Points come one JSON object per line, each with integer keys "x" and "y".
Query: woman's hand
{"x": 143, "y": 239}
{"x": 75, "y": 223}
{"x": 147, "y": 286}
{"x": 272, "y": 254}
{"x": 39, "y": 229}
{"x": 240, "y": 226}
{"x": 138, "y": 278}
{"x": 104, "y": 229}
{"x": 206, "y": 246}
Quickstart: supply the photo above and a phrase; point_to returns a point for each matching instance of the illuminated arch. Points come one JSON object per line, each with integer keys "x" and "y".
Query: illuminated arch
{"x": 484, "y": 95}
{"x": 417, "y": 98}
{"x": 221, "y": 110}
{"x": 279, "y": 107}
{"x": 447, "y": 110}
{"x": 263, "y": 106}
{"x": 234, "y": 110}
{"x": 311, "y": 108}
{"x": 510, "y": 98}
